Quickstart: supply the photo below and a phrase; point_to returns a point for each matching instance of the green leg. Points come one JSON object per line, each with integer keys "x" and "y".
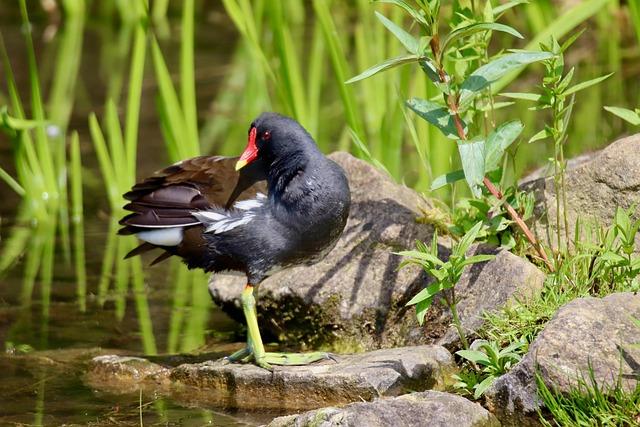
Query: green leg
{"x": 255, "y": 347}
{"x": 254, "y": 340}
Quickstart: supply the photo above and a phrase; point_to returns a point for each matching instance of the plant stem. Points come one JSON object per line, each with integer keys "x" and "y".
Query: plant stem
{"x": 452, "y": 304}
{"x": 496, "y": 193}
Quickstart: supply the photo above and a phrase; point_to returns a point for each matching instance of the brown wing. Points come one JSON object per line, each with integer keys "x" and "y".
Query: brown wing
{"x": 168, "y": 197}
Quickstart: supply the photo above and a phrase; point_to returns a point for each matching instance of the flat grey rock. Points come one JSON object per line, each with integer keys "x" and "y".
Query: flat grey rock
{"x": 587, "y": 332}
{"x": 596, "y": 185}
{"x": 217, "y": 383}
{"x": 430, "y": 408}
{"x": 355, "y": 299}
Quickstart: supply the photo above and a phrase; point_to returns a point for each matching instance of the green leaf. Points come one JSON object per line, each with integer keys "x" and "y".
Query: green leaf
{"x": 625, "y": 114}
{"x": 483, "y": 386}
{"x": 538, "y": 136}
{"x": 437, "y": 115}
{"x": 415, "y": 14}
{"x": 448, "y": 178}
{"x": 498, "y": 141}
{"x": 431, "y": 71}
{"x": 519, "y": 95}
{"x": 170, "y": 102}
{"x": 421, "y": 256}
{"x": 422, "y": 308}
{"x": 18, "y": 124}
{"x": 365, "y": 150}
{"x": 474, "y": 28}
{"x": 571, "y": 39}
{"x": 389, "y": 63}
{"x": 472, "y": 157}
{"x": 584, "y": 85}
{"x": 474, "y": 356}
{"x": 475, "y": 259}
{"x": 407, "y": 40}
{"x": 612, "y": 257}
{"x": 558, "y": 28}
{"x": 465, "y": 242}
{"x": 566, "y": 80}
{"x": 489, "y": 73}
{"x": 506, "y": 6}
{"x": 426, "y": 293}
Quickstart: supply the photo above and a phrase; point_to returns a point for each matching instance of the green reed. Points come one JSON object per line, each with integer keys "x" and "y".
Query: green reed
{"x": 44, "y": 169}
{"x": 178, "y": 121}
{"x": 115, "y": 146}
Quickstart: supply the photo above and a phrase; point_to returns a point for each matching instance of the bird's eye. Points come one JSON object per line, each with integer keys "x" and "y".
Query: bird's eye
{"x": 266, "y": 135}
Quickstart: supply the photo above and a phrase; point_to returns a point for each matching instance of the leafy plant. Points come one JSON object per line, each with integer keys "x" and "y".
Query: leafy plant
{"x": 446, "y": 274}
{"x": 486, "y": 362}
{"x": 464, "y": 83}
{"x": 558, "y": 95}
{"x": 613, "y": 262}
{"x": 497, "y": 226}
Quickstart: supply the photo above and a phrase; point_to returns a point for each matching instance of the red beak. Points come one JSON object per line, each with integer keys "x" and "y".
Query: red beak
{"x": 251, "y": 152}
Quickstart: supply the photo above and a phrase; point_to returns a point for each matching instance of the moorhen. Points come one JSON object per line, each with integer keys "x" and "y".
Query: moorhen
{"x": 282, "y": 203}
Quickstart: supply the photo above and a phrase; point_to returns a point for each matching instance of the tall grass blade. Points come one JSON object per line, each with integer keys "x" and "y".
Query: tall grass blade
{"x": 187, "y": 76}
{"x": 134, "y": 97}
{"x": 77, "y": 219}
{"x": 340, "y": 66}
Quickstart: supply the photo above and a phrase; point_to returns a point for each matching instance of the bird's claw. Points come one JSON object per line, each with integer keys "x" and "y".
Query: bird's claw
{"x": 268, "y": 359}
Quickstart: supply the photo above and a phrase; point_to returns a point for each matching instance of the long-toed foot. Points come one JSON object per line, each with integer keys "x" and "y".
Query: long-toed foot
{"x": 255, "y": 348}
{"x": 280, "y": 359}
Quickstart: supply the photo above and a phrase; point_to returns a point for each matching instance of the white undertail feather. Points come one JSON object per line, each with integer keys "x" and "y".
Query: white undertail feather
{"x": 171, "y": 236}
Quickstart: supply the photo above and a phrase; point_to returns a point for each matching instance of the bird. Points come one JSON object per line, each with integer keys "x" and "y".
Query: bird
{"x": 282, "y": 203}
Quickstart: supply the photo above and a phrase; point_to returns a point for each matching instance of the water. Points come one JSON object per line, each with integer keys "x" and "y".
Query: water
{"x": 46, "y": 335}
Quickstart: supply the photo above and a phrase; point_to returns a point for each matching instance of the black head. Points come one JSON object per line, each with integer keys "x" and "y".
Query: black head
{"x": 274, "y": 138}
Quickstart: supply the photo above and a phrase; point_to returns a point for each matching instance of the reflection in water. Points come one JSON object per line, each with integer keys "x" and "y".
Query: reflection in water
{"x": 167, "y": 311}
{"x": 99, "y": 299}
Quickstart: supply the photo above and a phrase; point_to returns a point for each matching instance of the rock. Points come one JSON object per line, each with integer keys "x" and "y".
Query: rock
{"x": 430, "y": 408}
{"x": 595, "y": 186}
{"x": 355, "y": 298}
{"x": 587, "y": 332}
{"x": 111, "y": 372}
{"x": 218, "y": 383}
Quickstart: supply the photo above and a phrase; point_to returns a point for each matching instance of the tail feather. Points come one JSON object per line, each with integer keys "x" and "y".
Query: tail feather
{"x": 145, "y": 247}
{"x": 160, "y": 258}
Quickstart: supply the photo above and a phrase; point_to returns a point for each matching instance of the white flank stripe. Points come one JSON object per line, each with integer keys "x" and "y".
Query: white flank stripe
{"x": 162, "y": 237}
{"x": 209, "y": 216}
{"x": 246, "y": 205}
{"x": 242, "y": 213}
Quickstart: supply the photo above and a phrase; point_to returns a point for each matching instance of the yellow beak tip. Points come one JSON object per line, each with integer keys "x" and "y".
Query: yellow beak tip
{"x": 240, "y": 164}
